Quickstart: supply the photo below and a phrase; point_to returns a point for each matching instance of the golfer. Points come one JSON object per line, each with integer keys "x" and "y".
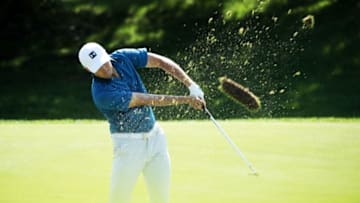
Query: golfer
{"x": 139, "y": 143}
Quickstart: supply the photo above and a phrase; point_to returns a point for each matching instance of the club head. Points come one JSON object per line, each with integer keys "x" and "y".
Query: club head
{"x": 254, "y": 173}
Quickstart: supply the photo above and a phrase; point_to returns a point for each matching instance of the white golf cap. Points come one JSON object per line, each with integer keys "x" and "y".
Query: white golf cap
{"x": 92, "y": 56}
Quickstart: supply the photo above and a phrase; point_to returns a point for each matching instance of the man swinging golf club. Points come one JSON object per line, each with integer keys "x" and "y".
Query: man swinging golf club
{"x": 139, "y": 144}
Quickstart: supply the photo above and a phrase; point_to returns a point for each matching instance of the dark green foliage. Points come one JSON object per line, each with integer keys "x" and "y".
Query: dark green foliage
{"x": 296, "y": 71}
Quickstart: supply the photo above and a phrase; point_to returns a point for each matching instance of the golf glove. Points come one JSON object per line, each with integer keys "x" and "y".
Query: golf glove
{"x": 196, "y": 91}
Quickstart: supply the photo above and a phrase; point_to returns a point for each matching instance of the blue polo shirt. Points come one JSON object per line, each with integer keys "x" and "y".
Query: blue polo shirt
{"x": 112, "y": 96}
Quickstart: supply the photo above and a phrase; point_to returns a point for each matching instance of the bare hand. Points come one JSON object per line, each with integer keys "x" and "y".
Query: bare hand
{"x": 197, "y": 103}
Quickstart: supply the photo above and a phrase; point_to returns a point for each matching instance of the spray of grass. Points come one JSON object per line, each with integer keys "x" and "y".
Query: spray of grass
{"x": 249, "y": 51}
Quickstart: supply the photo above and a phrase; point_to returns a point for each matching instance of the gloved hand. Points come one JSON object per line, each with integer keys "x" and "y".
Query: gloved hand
{"x": 196, "y": 91}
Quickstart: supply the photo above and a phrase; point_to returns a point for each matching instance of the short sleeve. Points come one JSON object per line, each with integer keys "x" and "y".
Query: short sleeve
{"x": 113, "y": 100}
{"x": 138, "y": 57}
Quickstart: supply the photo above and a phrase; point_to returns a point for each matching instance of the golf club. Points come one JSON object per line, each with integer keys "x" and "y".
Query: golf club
{"x": 234, "y": 146}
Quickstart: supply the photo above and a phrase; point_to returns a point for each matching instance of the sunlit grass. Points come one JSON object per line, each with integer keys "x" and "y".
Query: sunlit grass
{"x": 299, "y": 160}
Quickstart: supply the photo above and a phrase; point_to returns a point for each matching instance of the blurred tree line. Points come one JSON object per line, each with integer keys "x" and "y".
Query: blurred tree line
{"x": 297, "y": 69}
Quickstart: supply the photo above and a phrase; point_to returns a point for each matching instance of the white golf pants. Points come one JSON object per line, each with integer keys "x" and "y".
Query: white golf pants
{"x": 136, "y": 153}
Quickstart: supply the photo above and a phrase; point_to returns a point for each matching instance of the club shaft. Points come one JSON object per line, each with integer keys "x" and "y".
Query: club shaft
{"x": 229, "y": 140}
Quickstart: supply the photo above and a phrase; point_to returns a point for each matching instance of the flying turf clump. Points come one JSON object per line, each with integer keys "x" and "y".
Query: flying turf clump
{"x": 239, "y": 94}
{"x": 308, "y": 22}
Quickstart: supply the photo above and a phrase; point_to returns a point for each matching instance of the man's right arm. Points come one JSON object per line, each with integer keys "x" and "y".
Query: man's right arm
{"x": 141, "y": 99}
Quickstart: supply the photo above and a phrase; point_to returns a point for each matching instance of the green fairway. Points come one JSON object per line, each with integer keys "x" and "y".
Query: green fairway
{"x": 299, "y": 160}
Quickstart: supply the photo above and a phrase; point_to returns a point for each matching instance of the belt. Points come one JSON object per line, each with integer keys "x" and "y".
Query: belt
{"x": 144, "y": 136}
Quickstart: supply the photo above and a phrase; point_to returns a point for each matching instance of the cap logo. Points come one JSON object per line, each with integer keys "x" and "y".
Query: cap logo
{"x": 92, "y": 54}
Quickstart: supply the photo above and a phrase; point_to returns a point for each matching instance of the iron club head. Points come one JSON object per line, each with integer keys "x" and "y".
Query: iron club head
{"x": 254, "y": 173}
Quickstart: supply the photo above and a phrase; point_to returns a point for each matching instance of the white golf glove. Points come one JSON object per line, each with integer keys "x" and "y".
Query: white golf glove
{"x": 196, "y": 91}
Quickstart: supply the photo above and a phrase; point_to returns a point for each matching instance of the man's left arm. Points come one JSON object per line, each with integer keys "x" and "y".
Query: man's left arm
{"x": 169, "y": 66}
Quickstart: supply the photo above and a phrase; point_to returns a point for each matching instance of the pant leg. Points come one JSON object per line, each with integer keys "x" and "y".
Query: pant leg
{"x": 128, "y": 162}
{"x": 157, "y": 170}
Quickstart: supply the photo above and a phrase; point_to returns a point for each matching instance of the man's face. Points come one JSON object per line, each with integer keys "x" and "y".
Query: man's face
{"x": 105, "y": 71}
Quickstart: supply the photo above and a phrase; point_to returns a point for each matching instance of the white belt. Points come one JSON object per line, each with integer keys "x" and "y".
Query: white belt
{"x": 152, "y": 132}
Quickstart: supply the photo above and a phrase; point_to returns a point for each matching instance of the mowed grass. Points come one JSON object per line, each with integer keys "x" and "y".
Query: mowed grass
{"x": 299, "y": 160}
